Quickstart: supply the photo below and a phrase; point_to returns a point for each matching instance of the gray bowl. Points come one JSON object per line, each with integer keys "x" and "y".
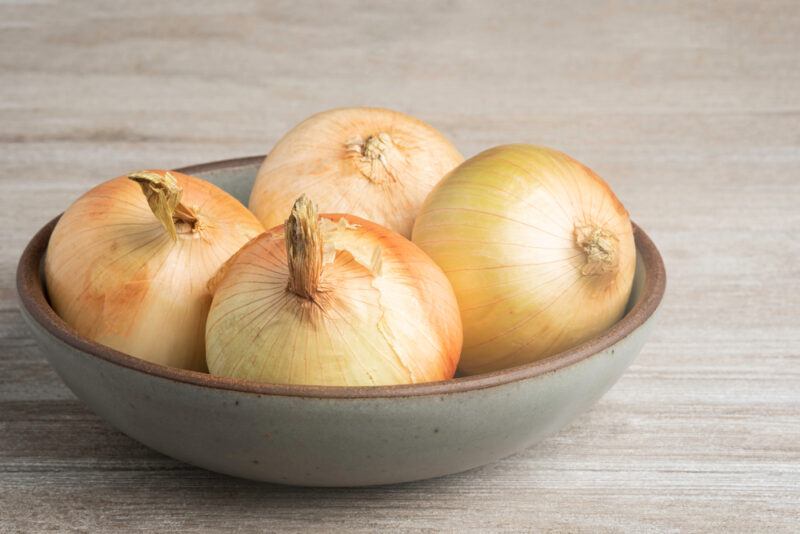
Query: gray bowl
{"x": 335, "y": 436}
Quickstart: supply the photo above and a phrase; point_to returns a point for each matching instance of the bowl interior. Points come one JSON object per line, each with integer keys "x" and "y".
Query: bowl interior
{"x": 236, "y": 176}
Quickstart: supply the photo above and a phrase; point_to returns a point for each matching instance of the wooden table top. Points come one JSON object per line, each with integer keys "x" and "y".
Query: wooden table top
{"x": 691, "y": 110}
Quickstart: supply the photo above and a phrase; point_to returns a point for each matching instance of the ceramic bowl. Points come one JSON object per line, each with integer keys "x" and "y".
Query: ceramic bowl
{"x": 335, "y": 436}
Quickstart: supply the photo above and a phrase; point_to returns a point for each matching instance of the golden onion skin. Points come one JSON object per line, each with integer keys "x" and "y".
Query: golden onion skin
{"x": 385, "y": 313}
{"x": 539, "y": 251}
{"x": 374, "y": 163}
{"x": 116, "y": 276}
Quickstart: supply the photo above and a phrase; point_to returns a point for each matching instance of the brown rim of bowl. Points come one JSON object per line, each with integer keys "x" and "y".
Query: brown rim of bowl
{"x": 33, "y": 299}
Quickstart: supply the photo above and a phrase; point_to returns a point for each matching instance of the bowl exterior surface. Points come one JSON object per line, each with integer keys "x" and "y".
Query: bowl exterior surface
{"x": 335, "y": 442}
{"x": 318, "y": 441}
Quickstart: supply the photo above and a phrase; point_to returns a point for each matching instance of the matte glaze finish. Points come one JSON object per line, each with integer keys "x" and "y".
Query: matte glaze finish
{"x": 322, "y": 436}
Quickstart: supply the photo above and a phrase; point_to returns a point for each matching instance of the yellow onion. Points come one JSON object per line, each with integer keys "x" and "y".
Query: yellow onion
{"x": 128, "y": 263}
{"x": 539, "y": 251}
{"x": 374, "y": 163}
{"x": 333, "y": 300}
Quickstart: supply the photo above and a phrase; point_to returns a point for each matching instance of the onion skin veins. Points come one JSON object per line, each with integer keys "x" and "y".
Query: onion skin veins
{"x": 374, "y": 163}
{"x": 378, "y": 312}
{"x": 127, "y": 265}
{"x": 539, "y": 251}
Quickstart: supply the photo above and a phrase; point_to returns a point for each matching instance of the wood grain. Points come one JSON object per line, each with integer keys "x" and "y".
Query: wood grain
{"x": 691, "y": 110}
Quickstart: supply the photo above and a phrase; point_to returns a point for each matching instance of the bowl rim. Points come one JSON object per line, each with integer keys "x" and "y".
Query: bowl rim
{"x": 30, "y": 288}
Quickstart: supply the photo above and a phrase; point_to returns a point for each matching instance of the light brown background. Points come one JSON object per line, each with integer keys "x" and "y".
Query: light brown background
{"x": 691, "y": 110}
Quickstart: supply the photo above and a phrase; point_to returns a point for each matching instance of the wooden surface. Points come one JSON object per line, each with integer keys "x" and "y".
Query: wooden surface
{"x": 691, "y": 110}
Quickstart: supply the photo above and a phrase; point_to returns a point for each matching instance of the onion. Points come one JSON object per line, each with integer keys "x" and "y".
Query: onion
{"x": 129, "y": 270}
{"x": 336, "y": 301}
{"x": 373, "y": 163}
{"x": 539, "y": 251}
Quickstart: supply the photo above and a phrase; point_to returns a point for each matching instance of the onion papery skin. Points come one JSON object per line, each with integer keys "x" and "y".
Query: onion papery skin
{"x": 519, "y": 231}
{"x": 384, "y": 314}
{"x": 324, "y": 157}
{"x": 115, "y": 274}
